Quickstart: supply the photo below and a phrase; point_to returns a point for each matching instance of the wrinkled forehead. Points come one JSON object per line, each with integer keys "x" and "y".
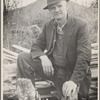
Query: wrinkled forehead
{"x": 62, "y": 2}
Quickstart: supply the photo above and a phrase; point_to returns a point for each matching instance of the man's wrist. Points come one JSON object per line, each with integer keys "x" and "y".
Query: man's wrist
{"x": 43, "y": 57}
{"x": 73, "y": 82}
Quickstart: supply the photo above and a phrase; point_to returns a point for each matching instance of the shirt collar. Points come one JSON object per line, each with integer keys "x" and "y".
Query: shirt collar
{"x": 55, "y": 23}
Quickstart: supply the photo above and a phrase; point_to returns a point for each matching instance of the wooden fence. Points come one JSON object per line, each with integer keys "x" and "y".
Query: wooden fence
{"x": 9, "y": 75}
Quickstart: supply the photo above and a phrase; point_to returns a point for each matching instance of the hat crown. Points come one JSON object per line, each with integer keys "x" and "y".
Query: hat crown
{"x": 49, "y": 2}
{"x": 52, "y": 1}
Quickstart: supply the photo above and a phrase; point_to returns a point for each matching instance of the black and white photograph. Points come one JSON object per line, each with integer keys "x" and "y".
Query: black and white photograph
{"x": 50, "y": 50}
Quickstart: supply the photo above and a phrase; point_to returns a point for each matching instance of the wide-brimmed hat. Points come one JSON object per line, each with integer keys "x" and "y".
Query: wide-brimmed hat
{"x": 50, "y": 2}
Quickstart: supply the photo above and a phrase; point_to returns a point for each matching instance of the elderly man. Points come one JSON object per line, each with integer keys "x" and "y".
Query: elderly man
{"x": 62, "y": 53}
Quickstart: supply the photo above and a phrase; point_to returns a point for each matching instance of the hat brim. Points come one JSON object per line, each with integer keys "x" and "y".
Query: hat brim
{"x": 47, "y": 7}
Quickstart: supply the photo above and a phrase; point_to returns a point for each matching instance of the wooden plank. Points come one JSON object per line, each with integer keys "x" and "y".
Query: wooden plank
{"x": 94, "y": 97}
{"x": 10, "y": 59}
{"x": 94, "y": 63}
{"x": 94, "y": 52}
{"x": 10, "y": 52}
{"x": 94, "y": 72}
{"x": 93, "y": 87}
{"x": 92, "y": 60}
{"x": 95, "y": 83}
{"x": 10, "y": 56}
{"x": 94, "y": 44}
{"x": 46, "y": 96}
{"x": 10, "y": 65}
{"x": 21, "y": 48}
{"x": 94, "y": 57}
{"x": 91, "y": 93}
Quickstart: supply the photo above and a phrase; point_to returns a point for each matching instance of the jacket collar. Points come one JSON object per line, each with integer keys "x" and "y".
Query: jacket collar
{"x": 68, "y": 29}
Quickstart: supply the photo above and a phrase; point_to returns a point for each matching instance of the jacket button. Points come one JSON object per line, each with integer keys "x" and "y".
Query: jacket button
{"x": 54, "y": 40}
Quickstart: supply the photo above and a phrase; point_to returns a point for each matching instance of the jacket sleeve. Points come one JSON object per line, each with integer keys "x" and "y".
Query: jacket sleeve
{"x": 83, "y": 55}
{"x": 39, "y": 46}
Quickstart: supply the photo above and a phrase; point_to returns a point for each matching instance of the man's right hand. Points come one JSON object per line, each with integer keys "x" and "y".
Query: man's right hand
{"x": 47, "y": 65}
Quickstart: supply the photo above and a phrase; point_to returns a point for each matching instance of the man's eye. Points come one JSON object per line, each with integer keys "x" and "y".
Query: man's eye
{"x": 59, "y": 6}
{"x": 52, "y": 8}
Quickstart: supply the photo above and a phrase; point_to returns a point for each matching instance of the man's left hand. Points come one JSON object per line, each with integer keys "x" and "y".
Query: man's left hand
{"x": 69, "y": 88}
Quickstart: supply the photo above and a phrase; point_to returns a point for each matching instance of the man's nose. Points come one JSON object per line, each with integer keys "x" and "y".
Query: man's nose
{"x": 56, "y": 9}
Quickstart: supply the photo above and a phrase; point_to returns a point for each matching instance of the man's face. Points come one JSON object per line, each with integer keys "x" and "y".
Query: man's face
{"x": 58, "y": 10}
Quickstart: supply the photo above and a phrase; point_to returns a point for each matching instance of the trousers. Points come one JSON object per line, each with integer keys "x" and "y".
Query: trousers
{"x": 28, "y": 67}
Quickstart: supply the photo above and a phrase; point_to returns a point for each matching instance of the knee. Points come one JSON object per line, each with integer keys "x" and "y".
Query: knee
{"x": 23, "y": 60}
{"x": 23, "y": 56}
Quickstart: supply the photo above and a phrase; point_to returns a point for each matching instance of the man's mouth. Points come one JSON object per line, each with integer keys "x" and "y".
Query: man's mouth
{"x": 57, "y": 14}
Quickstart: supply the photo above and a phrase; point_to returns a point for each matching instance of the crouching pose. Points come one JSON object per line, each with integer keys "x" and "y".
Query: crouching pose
{"x": 62, "y": 53}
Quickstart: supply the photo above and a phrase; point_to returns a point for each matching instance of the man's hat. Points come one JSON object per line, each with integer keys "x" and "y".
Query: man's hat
{"x": 50, "y": 2}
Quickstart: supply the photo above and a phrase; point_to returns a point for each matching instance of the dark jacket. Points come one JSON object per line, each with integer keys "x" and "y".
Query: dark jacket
{"x": 77, "y": 49}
